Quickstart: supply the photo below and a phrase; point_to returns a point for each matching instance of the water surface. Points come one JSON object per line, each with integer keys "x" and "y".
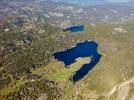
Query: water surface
{"x": 74, "y": 29}
{"x": 83, "y": 49}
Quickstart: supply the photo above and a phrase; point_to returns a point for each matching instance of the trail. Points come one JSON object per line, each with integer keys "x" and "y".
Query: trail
{"x": 123, "y": 89}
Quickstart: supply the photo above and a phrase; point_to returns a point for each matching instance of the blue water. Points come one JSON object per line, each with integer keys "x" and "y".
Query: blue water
{"x": 84, "y": 49}
{"x": 73, "y": 29}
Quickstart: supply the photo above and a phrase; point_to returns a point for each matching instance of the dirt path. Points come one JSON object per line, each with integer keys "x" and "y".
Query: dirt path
{"x": 122, "y": 89}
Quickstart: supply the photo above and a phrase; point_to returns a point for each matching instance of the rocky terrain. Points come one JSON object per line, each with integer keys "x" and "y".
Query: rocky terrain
{"x": 31, "y": 31}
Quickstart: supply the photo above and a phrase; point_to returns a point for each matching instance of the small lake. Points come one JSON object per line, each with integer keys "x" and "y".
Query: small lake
{"x": 74, "y": 29}
{"x": 83, "y": 49}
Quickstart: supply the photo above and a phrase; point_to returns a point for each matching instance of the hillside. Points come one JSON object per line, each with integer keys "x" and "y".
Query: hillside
{"x": 31, "y": 32}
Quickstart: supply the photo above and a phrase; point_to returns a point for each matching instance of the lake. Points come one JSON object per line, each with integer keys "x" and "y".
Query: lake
{"x": 73, "y": 29}
{"x": 83, "y": 49}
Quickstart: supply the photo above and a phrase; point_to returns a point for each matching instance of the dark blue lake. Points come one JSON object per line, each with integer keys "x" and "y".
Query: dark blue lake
{"x": 84, "y": 49}
{"x": 74, "y": 29}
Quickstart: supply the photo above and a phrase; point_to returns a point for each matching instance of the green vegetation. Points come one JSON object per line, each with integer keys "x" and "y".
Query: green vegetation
{"x": 31, "y": 70}
{"x": 57, "y": 72}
